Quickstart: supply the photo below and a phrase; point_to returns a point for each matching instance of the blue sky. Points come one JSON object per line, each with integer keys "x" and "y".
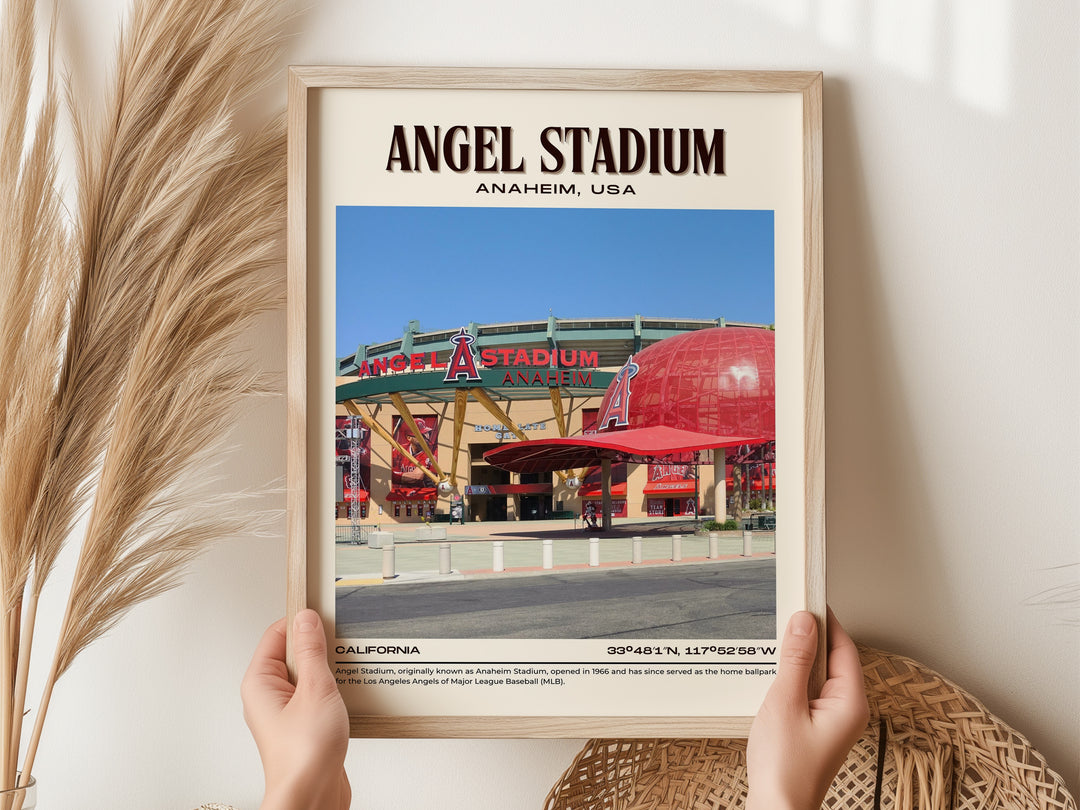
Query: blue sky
{"x": 448, "y": 266}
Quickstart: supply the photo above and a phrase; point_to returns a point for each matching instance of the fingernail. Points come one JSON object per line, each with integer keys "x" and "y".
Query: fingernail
{"x": 802, "y": 624}
{"x": 305, "y": 622}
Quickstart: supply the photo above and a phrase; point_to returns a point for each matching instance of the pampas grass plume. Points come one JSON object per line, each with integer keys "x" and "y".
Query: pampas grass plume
{"x": 119, "y": 368}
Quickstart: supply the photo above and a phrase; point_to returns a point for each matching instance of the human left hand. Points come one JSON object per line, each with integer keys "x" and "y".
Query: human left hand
{"x": 301, "y": 730}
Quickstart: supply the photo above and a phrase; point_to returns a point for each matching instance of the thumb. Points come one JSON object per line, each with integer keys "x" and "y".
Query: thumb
{"x": 309, "y": 652}
{"x": 797, "y": 654}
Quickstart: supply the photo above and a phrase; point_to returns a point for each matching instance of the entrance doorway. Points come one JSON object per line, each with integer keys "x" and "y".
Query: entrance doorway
{"x": 486, "y": 507}
{"x": 489, "y": 507}
{"x": 672, "y": 507}
{"x": 537, "y": 506}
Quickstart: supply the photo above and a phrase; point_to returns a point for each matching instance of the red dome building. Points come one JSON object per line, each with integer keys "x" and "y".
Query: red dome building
{"x": 717, "y": 381}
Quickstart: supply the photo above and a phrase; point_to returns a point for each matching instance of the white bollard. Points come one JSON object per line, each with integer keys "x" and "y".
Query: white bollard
{"x": 748, "y": 544}
{"x": 676, "y": 547}
{"x": 444, "y": 558}
{"x": 636, "y": 559}
{"x": 549, "y": 554}
{"x": 714, "y": 545}
{"x": 388, "y": 561}
{"x": 497, "y": 556}
{"x": 594, "y": 552}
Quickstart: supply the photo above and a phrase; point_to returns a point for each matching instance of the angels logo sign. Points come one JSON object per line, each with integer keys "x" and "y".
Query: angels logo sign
{"x": 618, "y": 407}
{"x": 462, "y": 363}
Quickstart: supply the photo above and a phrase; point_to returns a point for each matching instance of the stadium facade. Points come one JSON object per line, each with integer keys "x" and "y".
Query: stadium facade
{"x": 415, "y": 416}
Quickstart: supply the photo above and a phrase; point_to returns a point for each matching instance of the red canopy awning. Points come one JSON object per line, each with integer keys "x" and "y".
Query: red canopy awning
{"x": 412, "y": 494}
{"x": 593, "y": 491}
{"x": 356, "y": 495}
{"x": 667, "y": 488}
{"x": 757, "y": 483}
{"x": 637, "y": 446}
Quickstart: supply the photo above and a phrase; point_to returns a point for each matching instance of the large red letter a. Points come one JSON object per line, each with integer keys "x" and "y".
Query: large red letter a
{"x": 462, "y": 363}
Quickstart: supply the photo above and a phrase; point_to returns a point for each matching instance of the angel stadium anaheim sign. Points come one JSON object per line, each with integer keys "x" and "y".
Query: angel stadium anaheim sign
{"x": 551, "y": 367}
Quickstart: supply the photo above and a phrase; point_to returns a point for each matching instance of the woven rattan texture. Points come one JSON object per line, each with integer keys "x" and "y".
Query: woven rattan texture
{"x": 942, "y": 750}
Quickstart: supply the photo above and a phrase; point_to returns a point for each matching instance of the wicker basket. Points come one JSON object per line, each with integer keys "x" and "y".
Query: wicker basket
{"x": 929, "y": 746}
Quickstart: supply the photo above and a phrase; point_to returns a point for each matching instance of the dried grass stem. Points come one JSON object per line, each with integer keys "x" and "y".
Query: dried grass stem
{"x": 118, "y": 331}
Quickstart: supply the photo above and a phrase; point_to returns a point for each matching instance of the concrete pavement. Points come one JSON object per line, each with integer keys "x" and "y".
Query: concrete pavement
{"x": 472, "y": 553}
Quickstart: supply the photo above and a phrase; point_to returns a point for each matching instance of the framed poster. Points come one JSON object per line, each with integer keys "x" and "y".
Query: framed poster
{"x": 567, "y": 328}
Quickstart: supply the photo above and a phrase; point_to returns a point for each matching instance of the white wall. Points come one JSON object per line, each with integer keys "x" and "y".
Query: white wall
{"x": 952, "y": 187}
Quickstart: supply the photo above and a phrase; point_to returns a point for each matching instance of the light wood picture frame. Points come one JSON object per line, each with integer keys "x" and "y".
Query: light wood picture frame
{"x": 364, "y": 142}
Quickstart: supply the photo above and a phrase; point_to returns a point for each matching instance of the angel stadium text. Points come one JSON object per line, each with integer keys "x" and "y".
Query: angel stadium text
{"x": 553, "y": 359}
{"x": 581, "y": 150}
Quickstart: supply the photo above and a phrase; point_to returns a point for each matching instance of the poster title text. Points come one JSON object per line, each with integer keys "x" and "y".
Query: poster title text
{"x": 579, "y": 150}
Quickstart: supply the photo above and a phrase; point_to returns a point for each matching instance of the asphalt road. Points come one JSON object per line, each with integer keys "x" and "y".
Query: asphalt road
{"x": 731, "y": 600}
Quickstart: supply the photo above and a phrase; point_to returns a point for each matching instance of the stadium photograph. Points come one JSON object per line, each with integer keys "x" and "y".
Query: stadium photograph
{"x": 554, "y": 423}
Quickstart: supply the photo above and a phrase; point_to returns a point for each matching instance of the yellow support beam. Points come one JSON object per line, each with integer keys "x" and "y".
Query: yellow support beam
{"x": 403, "y": 409}
{"x": 564, "y": 428}
{"x": 481, "y": 396}
{"x": 461, "y": 401}
{"x": 557, "y": 409}
{"x": 375, "y": 427}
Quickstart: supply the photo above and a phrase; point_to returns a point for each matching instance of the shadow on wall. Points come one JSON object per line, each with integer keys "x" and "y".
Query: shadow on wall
{"x": 964, "y": 45}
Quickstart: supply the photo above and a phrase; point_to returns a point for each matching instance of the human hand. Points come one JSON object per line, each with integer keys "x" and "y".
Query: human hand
{"x": 301, "y": 730}
{"x": 797, "y": 745}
